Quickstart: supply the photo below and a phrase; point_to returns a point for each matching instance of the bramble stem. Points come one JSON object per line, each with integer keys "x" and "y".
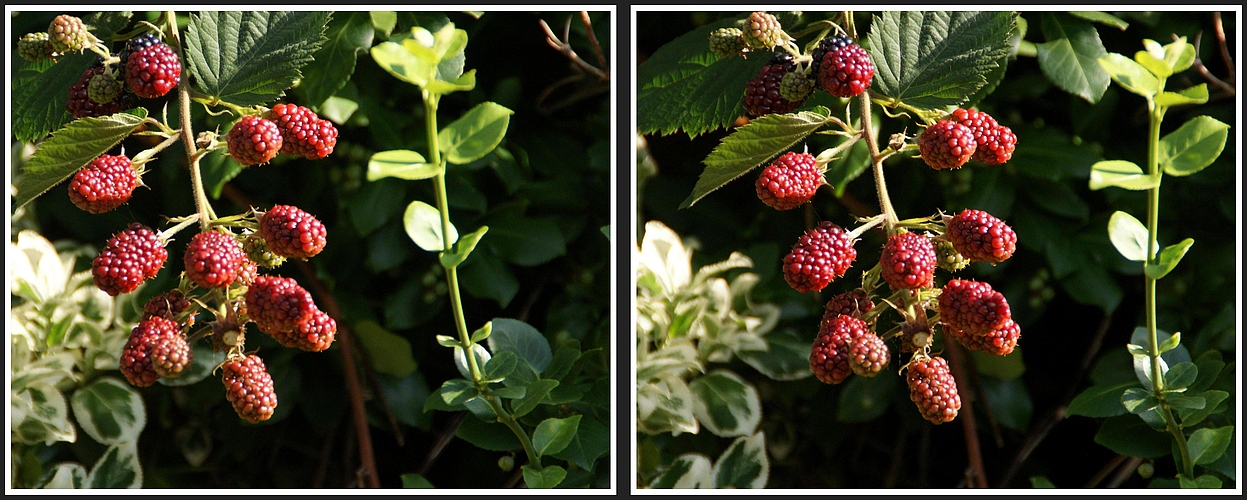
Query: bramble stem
{"x": 188, "y": 134}
{"x": 876, "y": 163}
{"x": 452, "y": 280}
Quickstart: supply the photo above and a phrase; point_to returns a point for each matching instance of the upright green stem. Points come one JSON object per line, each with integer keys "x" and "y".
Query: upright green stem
{"x": 188, "y": 135}
{"x": 876, "y": 162}
{"x": 1157, "y": 113}
{"x": 452, "y": 280}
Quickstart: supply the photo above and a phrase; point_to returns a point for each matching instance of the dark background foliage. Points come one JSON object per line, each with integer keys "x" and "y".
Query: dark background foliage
{"x": 557, "y": 175}
{"x": 1077, "y": 300}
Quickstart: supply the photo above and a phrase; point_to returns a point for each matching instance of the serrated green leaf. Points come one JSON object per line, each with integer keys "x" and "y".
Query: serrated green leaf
{"x": 933, "y": 59}
{"x": 684, "y": 87}
{"x": 753, "y": 144}
{"x": 71, "y": 148}
{"x": 1207, "y": 445}
{"x": 250, "y": 57}
{"x": 547, "y": 477}
{"x": 1069, "y": 56}
{"x": 1100, "y": 401}
{"x": 1102, "y": 18}
{"x": 36, "y": 111}
{"x": 1128, "y": 235}
{"x": 1168, "y": 259}
{"x": 474, "y": 134}
{"x": 1122, "y": 174}
{"x": 552, "y": 435}
{"x": 1193, "y": 147}
{"x": 400, "y": 163}
{"x": 334, "y": 63}
{"x": 1131, "y": 75}
{"x": 1192, "y": 95}
{"x": 109, "y": 410}
{"x": 423, "y": 224}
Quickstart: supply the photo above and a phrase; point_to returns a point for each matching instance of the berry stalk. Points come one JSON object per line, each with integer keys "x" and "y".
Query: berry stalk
{"x": 188, "y": 134}
{"x": 876, "y": 163}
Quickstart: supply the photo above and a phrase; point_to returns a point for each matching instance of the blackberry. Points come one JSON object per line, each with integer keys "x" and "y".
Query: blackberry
{"x": 995, "y": 143}
{"x": 291, "y": 232}
{"x": 254, "y": 140}
{"x": 999, "y": 342}
{"x": 826, "y": 45}
{"x": 35, "y": 47}
{"x": 789, "y": 181}
{"x": 795, "y": 86}
{"x": 761, "y": 31}
{"x": 258, "y": 251}
{"x": 153, "y": 71}
{"x": 762, "y": 95}
{"x": 68, "y": 34}
{"x": 170, "y": 355}
{"x": 980, "y": 236}
{"x": 302, "y": 132}
{"x": 908, "y": 261}
{"x": 853, "y": 303}
{"x": 820, "y": 255}
{"x": 868, "y": 355}
{"x": 973, "y": 307}
{"x": 80, "y": 104}
{"x": 249, "y": 388}
{"x": 933, "y": 389}
{"x": 726, "y": 42}
{"x": 946, "y": 145}
{"x": 947, "y": 257}
{"x": 130, "y": 257}
{"x": 136, "y": 357}
{"x": 278, "y": 304}
{"x": 845, "y": 71}
{"x": 104, "y": 184}
{"x": 168, "y": 305}
{"x": 213, "y": 259}
{"x": 314, "y": 335}
{"x": 829, "y": 356}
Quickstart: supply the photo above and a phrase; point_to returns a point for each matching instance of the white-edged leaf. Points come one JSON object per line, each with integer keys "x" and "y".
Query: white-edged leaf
{"x": 66, "y": 475}
{"x": 743, "y": 465}
{"x": 690, "y": 470}
{"x": 118, "y": 468}
{"x": 110, "y": 411}
{"x": 726, "y": 404}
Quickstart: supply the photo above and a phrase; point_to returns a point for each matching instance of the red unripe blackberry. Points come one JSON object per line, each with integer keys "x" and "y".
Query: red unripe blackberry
{"x": 278, "y": 304}
{"x": 254, "y": 140}
{"x": 291, "y": 232}
{"x": 314, "y": 335}
{"x": 104, "y": 184}
{"x": 933, "y": 388}
{"x": 133, "y": 45}
{"x": 868, "y": 355}
{"x": 789, "y": 181}
{"x": 845, "y": 71}
{"x": 980, "y": 236}
{"x": 761, "y": 31}
{"x": 170, "y": 355}
{"x": 247, "y": 273}
{"x": 829, "y": 356}
{"x": 946, "y": 145}
{"x": 999, "y": 342}
{"x": 249, "y": 388}
{"x": 820, "y": 255}
{"x": 136, "y": 356}
{"x": 80, "y": 104}
{"x": 153, "y": 71}
{"x": 762, "y": 95}
{"x": 168, "y": 305}
{"x": 826, "y": 45}
{"x": 302, "y": 132}
{"x": 995, "y": 143}
{"x": 908, "y": 261}
{"x": 213, "y": 259}
{"x": 853, "y": 303}
{"x": 973, "y": 307}
{"x": 130, "y": 257}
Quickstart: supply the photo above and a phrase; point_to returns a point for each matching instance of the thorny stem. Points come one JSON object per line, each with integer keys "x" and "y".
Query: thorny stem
{"x": 1157, "y": 114}
{"x": 188, "y": 134}
{"x": 452, "y": 281}
{"x": 876, "y": 162}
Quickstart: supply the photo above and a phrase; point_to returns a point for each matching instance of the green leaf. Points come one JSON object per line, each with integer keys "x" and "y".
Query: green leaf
{"x": 457, "y": 390}
{"x": 787, "y": 357}
{"x": 250, "y": 57}
{"x": 475, "y": 134}
{"x": 402, "y": 63}
{"x": 486, "y": 277}
{"x": 687, "y": 471}
{"x": 1210, "y": 365}
{"x": 1155, "y": 65}
{"x": 521, "y": 338}
{"x": 36, "y": 111}
{"x": 483, "y": 332}
{"x": 414, "y": 480}
{"x": 1128, "y": 435}
{"x": 743, "y": 465}
{"x": 71, "y": 148}
{"x": 591, "y": 441}
{"x": 865, "y": 398}
{"x": 1069, "y": 56}
{"x": 1128, "y": 235}
{"x": 1100, "y": 401}
{"x": 535, "y": 393}
{"x": 332, "y": 66}
{"x": 1194, "y": 146}
{"x": 500, "y": 366}
{"x": 684, "y": 87}
{"x": 389, "y": 352}
{"x": 1179, "y": 54}
{"x": 423, "y": 224}
{"x": 218, "y": 169}
{"x": 1168, "y": 259}
{"x": 725, "y": 404}
{"x": 118, "y": 467}
{"x": 554, "y": 434}
{"x": 1207, "y": 445}
{"x": 1102, "y": 18}
{"x": 1193, "y": 416}
{"x": 546, "y": 478}
{"x": 1058, "y": 198}
{"x": 1041, "y": 482}
{"x": 1184, "y": 402}
{"x": 752, "y": 145}
{"x": 400, "y": 163}
{"x": 933, "y": 59}
{"x": 1129, "y": 74}
{"x": 1138, "y": 400}
{"x": 1206, "y": 481}
{"x": 1193, "y": 95}
{"x": 463, "y": 248}
{"x": 526, "y": 241}
{"x": 1122, "y": 174}
{"x": 109, "y": 410}
{"x": 487, "y": 436}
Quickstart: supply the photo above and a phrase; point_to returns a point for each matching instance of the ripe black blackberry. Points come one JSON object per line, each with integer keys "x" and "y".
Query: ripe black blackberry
{"x": 762, "y": 95}
{"x": 826, "y": 45}
{"x": 80, "y": 104}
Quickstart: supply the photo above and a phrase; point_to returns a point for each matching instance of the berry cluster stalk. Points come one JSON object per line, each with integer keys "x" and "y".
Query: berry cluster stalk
{"x": 202, "y": 205}
{"x": 452, "y": 279}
